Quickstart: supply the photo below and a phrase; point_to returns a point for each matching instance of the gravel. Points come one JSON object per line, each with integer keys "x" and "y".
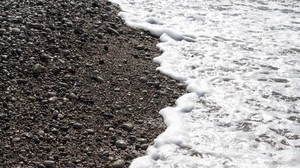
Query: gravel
{"x": 73, "y": 85}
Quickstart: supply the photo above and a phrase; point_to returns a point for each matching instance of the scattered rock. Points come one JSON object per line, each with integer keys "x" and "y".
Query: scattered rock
{"x": 144, "y": 146}
{"x": 15, "y": 31}
{"x": 60, "y": 116}
{"x": 19, "y": 19}
{"x": 90, "y": 131}
{"x": 73, "y": 96}
{"x": 78, "y": 30}
{"x": 98, "y": 79}
{"x": 37, "y": 26}
{"x": 49, "y": 164}
{"x": 119, "y": 164}
{"x": 77, "y": 125}
{"x": 108, "y": 115}
{"x": 143, "y": 79}
{"x": 112, "y": 31}
{"x": 2, "y": 31}
{"x": 127, "y": 126}
{"x": 140, "y": 47}
{"x": 121, "y": 144}
{"x": 53, "y": 99}
{"x": 38, "y": 69}
{"x": 17, "y": 139}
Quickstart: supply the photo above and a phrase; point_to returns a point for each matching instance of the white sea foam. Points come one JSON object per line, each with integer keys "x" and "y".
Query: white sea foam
{"x": 240, "y": 61}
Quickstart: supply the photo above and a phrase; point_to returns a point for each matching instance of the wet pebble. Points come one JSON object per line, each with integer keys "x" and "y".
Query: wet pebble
{"x": 90, "y": 131}
{"x": 19, "y": 19}
{"x": 15, "y": 31}
{"x": 49, "y": 164}
{"x": 73, "y": 96}
{"x": 112, "y": 31}
{"x": 17, "y": 139}
{"x": 54, "y": 131}
{"x": 121, "y": 144}
{"x": 140, "y": 47}
{"x": 144, "y": 146}
{"x": 60, "y": 116}
{"x": 37, "y": 26}
{"x": 77, "y": 125}
{"x": 2, "y": 31}
{"x": 98, "y": 79}
{"x": 119, "y": 164}
{"x": 38, "y": 68}
{"x": 143, "y": 79}
{"x": 53, "y": 99}
{"x": 127, "y": 126}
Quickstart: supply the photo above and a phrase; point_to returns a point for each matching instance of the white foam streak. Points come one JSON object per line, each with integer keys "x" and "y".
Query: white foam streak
{"x": 240, "y": 63}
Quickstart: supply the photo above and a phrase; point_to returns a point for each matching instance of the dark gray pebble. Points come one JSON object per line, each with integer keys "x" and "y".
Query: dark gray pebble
{"x": 77, "y": 126}
{"x": 119, "y": 164}
{"x": 49, "y": 164}
{"x": 121, "y": 144}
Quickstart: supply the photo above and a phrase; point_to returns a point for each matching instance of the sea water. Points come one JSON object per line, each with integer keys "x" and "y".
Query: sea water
{"x": 240, "y": 61}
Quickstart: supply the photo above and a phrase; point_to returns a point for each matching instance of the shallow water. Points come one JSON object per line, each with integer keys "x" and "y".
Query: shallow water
{"x": 240, "y": 61}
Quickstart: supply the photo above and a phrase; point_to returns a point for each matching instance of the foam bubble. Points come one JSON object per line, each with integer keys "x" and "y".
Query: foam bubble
{"x": 240, "y": 63}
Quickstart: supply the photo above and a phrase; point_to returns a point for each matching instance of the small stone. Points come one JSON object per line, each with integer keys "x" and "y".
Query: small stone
{"x": 3, "y": 115}
{"x": 15, "y": 31}
{"x": 37, "y": 26}
{"x": 22, "y": 81}
{"x": 140, "y": 47}
{"x": 121, "y": 144}
{"x": 64, "y": 129}
{"x": 51, "y": 94}
{"x": 38, "y": 68}
{"x": 119, "y": 164}
{"x": 181, "y": 86}
{"x": 78, "y": 30}
{"x": 17, "y": 139}
{"x": 28, "y": 25}
{"x": 40, "y": 2}
{"x": 144, "y": 146}
{"x": 39, "y": 165}
{"x": 2, "y": 31}
{"x": 27, "y": 135}
{"x": 61, "y": 148}
{"x": 77, "y": 126}
{"x": 127, "y": 126}
{"x": 143, "y": 79}
{"x": 142, "y": 140}
{"x": 49, "y": 164}
{"x": 73, "y": 96}
{"x": 280, "y": 80}
{"x": 98, "y": 79}
{"x": 55, "y": 114}
{"x": 112, "y": 31}
{"x": 108, "y": 115}
{"x": 41, "y": 132}
{"x": 19, "y": 19}
{"x": 53, "y": 99}
{"x": 90, "y": 131}
{"x": 60, "y": 116}
{"x": 88, "y": 10}
{"x": 117, "y": 89}
{"x": 63, "y": 84}
{"x": 54, "y": 131}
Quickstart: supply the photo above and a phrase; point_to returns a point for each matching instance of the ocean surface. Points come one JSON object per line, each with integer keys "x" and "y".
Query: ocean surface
{"x": 240, "y": 61}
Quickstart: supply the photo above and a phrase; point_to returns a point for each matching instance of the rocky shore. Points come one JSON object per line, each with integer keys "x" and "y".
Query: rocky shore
{"x": 78, "y": 88}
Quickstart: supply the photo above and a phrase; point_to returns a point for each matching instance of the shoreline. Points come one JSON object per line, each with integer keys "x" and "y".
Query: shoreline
{"x": 78, "y": 87}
